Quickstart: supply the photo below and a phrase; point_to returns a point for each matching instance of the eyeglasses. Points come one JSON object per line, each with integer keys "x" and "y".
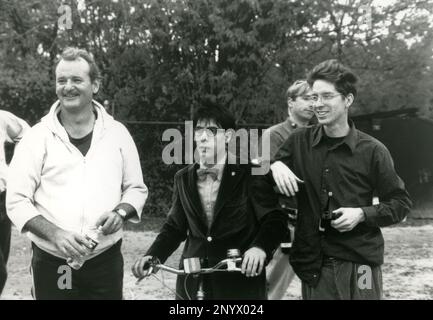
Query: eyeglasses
{"x": 210, "y": 131}
{"x": 307, "y": 97}
{"x": 324, "y": 97}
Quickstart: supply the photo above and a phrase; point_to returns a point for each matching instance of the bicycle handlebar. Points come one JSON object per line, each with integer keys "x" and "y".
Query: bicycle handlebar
{"x": 230, "y": 263}
{"x": 216, "y": 268}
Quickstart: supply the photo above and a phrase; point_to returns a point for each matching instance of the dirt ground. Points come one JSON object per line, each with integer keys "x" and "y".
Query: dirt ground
{"x": 407, "y": 272}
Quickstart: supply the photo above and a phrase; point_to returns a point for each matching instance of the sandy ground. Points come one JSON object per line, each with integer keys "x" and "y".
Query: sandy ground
{"x": 407, "y": 272}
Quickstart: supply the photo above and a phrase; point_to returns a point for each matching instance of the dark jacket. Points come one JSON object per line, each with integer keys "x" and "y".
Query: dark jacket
{"x": 239, "y": 222}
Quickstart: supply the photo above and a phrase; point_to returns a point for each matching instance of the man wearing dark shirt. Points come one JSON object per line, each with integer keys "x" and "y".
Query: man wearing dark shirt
{"x": 335, "y": 170}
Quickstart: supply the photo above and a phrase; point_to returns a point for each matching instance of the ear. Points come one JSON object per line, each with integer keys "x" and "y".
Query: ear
{"x": 349, "y": 100}
{"x": 228, "y": 135}
{"x": 95, "y": 86}
{"x": 289, "y": 104}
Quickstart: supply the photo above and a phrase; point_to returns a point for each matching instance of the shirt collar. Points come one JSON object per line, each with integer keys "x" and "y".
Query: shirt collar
{"x": 351, "y": 139}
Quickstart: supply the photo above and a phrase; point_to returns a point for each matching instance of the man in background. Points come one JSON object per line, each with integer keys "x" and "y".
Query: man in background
{"x": 279, "y": 273}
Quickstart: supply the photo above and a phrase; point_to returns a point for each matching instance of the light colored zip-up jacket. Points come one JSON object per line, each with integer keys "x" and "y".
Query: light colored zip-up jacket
{"x": 49, "y": 176}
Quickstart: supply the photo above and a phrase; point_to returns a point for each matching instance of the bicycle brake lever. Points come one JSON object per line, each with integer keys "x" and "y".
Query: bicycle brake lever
{"x": 149, "y": 272}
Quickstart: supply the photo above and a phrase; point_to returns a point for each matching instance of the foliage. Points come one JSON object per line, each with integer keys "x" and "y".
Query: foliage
{"x": 160, "y": 57}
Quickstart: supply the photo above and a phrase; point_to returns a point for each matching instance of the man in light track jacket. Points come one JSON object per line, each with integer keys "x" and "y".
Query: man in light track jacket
{"x": 76, "y": 170}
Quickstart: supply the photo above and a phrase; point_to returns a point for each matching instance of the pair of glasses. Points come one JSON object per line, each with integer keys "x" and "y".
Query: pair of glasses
{"x": 210, "y": 131}
{"x": 307, "y": 97}
{"x": 324, "y": 97}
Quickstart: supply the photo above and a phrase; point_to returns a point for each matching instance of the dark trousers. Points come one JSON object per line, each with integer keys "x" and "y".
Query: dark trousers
{"x": 345, "y": 280}
{"x": 5, "y": 241}
{"x": 100, "y": 278}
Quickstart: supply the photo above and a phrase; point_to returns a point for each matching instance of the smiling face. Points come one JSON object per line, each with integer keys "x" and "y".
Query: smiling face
{"x": 302, "y": 107}
{"x": 74, "y": 87}
{"x": 211, "y": 146}
{"x": 331, "y": 107}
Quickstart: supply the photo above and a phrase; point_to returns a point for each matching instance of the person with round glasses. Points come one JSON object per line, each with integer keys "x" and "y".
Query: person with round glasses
{"x": 338, "y": 247}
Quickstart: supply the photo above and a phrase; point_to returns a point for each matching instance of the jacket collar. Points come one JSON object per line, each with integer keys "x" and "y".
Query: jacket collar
{"x": 232, "y": 175}
{"x": 52, "y": 122}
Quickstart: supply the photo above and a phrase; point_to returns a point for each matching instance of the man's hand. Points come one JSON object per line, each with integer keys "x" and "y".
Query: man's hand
{"x": 349, "y": 219}
{"x": 286, "y": 180}
{"x": 141, "y": 268}
{"x": 72, "y": 245}
{"x": 253, "y": 262}
{"x": 110, "y": 222}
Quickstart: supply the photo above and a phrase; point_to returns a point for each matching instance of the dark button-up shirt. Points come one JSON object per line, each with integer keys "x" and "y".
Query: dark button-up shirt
{"x": 347, "y": 174}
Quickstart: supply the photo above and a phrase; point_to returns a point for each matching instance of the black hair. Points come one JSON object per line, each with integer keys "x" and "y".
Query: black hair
{"x": 333, "y": 71}
{"x": 210, "y": 110}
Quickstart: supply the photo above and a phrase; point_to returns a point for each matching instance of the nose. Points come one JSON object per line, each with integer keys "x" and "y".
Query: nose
{"x": 203, "y": 136}
{"x": 318, "y": 104}
{"x": 68, "y": 85}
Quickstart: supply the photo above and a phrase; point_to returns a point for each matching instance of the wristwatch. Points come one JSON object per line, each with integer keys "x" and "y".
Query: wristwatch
{"x": 122, "y": 213}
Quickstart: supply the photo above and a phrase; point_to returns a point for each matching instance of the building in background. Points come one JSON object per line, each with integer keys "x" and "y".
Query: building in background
{"x": 409, "y": 138}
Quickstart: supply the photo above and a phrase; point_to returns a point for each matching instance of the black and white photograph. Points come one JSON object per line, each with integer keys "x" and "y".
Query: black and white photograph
{"x": 224, "y": 150}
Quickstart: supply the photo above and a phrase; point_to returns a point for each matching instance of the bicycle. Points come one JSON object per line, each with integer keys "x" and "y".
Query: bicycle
{"x": 192, "y": 266}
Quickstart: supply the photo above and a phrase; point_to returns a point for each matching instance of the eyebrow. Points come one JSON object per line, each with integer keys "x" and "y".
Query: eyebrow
{"x": 325, "y": 92}
{"x": 200, "y": 127}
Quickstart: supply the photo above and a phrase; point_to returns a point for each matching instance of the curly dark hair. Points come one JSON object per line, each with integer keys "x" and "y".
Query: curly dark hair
{"x": 339, "y": 75}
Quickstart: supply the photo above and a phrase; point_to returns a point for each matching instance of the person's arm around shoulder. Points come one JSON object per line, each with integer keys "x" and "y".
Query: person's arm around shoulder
{"x": 285, "y": 179}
